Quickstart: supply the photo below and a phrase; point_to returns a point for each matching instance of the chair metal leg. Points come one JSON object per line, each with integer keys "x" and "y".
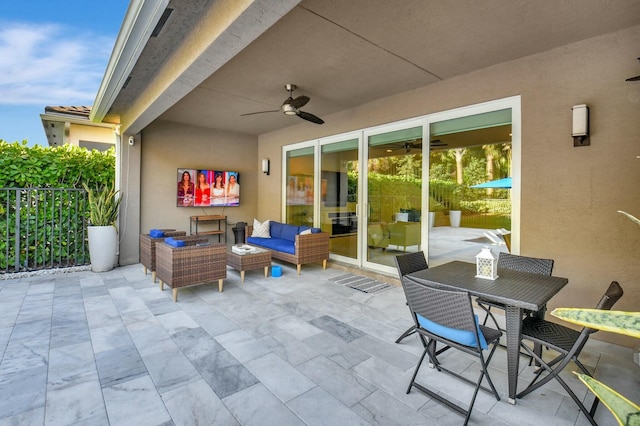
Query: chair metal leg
{"x": 554, "y": 373}
{"x": 409, "y": 332}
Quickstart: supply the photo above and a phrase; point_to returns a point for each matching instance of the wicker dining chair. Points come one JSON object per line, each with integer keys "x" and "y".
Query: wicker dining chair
{"x": 568, "y": 343}
{"x": 406, "y": 264}
{"x": 188, "y": 265}
{"x": 447, "y": 317}
{"x": 515, "y": 262}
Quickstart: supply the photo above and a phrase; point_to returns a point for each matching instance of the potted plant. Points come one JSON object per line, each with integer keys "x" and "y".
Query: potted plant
{"x": 102, "y": 231}
{"x": 625, "y": 411}
{"x": 455, "y": 214}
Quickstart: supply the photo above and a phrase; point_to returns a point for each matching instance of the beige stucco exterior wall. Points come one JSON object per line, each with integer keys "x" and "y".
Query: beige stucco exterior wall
{"x": 168, "y": 146}
{"x": 569, "y": 195}
{"x": 79, "y": 132}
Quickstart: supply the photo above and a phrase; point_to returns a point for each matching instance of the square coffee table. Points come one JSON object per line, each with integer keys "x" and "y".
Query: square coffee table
{"x": 259, "y": 258}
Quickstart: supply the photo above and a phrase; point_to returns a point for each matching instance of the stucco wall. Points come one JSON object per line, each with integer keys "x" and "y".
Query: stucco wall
{"x": 168, "y": 146}
{"x": 86, "y": 133}
{"x": 569, "y": 195}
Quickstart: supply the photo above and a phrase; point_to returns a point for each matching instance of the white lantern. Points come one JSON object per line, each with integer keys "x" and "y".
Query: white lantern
{"x": 486, "y": 264}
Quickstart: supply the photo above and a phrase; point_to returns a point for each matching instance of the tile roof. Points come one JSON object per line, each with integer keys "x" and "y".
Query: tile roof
{"x": 82, "y": 111}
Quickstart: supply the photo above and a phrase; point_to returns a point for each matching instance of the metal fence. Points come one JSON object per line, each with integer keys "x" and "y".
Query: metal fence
{"x": 43, "y": 228}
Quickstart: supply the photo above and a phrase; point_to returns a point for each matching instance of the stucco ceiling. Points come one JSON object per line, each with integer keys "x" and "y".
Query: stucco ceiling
{"x": 345, "y": 53}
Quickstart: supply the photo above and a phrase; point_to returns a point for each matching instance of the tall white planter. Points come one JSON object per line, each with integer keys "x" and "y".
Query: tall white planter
{"x": 454, "y": 218}
{"x": 103, "y": 246}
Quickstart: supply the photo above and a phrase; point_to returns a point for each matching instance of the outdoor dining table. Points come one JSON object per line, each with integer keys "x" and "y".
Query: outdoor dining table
{"x": 519, "y": 291}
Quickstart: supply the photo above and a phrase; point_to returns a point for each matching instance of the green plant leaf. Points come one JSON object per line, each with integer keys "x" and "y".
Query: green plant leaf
{"x": 621, "y": 322}
{"x": 626, "y": 412}
{"x": 630, "y": 216}
{"x": 103, "y": 205}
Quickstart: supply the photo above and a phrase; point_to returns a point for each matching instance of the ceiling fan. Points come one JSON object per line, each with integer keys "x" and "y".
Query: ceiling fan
{"x": 292, "y": 106}
{"x": 408, "y": 146}
{"x": 437, "y": 144}
{"x": 636, "y": 78}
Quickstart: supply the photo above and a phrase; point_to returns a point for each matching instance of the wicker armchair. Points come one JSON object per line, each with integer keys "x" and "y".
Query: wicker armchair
{"x": 188, "y": 265}
{"x": 148, "y": 247}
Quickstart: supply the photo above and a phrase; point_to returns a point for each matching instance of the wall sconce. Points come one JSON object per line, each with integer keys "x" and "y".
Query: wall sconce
{"x": 265, "y": 166}
{"x": 580, "y": 131}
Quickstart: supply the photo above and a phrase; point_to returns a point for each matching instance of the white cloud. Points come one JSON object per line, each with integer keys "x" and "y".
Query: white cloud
{"x": 50, "y": 65}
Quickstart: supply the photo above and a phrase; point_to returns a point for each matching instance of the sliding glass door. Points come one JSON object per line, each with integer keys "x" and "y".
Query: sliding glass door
{"x": 394, "y": 165}
{"x": 300, "y": 185}
{"x": 338, "y": 201}
{"x": 473, "y": 165}
{"x": 425, "y": 184}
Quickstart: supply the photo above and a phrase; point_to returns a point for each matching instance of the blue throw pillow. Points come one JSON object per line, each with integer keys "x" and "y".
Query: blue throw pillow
{"x": 175, "y": 243}
{"x": 156, "y": 233}
{"x": 463, "y": 337}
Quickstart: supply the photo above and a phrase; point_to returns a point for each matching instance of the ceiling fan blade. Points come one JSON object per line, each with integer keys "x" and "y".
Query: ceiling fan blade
{"x": 259, "y": 112}
{"x": 299, "y": 102}
{"x": 636, "y": 78}
{"x": 310, "y": 117}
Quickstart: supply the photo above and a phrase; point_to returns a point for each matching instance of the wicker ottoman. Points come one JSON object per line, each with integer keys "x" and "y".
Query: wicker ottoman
{"x": 260, "y": 258}
{"x": 189, "y": 265}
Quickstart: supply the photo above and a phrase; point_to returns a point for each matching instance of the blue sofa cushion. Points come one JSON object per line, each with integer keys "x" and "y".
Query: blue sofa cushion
{"x": 175, "y": 243}
{"x": 463, "y": 337}
{"x": 275, "y": 229}
{"x": 156, "y": 233}
{"x": 278, "y": 244}
{"x": 289, "y": 232}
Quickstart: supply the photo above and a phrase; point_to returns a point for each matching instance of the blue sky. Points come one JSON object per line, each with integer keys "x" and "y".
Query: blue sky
{"x": 52, "y": 53}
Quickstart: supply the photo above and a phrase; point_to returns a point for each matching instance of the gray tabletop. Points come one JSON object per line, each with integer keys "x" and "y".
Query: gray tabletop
{"x": 521, "y": 289}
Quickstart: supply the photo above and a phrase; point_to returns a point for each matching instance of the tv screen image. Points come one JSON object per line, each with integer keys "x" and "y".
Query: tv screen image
{"x": 207, "y": 188}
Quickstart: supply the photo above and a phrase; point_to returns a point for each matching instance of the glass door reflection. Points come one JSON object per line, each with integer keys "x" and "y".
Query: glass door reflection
{"x": 339, "y": 197}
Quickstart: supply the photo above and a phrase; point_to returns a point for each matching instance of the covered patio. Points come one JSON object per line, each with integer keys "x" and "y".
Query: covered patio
{"x": 185, "y": 78}
{"x": 111, "y": 348}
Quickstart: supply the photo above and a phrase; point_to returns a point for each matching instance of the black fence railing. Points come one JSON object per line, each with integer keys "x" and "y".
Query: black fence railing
{"x": 43, "y": 228}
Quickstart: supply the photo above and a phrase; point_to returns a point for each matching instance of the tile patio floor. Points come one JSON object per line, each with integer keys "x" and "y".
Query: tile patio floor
{"x": 111, "y": 348}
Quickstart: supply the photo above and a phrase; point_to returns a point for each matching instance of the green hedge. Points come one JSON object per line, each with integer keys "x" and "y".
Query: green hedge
{"x": 64, "y": 166}
{"x": 44, "y": 187}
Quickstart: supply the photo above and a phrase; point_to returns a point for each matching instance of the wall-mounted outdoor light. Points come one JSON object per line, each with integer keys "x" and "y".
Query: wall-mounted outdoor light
{"x": 265, "y": 166}
{"x": 580, "y": 130}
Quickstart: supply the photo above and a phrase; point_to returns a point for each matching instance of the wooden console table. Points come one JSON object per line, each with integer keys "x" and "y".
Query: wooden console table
{"x": 221, "y": 221}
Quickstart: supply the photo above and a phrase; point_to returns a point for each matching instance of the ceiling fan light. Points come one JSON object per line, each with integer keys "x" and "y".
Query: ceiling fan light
{"x": 289, "y": 110}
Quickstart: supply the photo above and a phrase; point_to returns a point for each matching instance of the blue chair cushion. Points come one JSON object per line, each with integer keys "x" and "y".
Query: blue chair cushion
{"x": 463, "y": 337}
{"x": 174, "y": 242}
{"x": 156, "y": 233}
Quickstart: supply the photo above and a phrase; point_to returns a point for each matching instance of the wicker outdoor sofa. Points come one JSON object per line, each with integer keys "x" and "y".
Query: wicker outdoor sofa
{"x": 287, "y": 244}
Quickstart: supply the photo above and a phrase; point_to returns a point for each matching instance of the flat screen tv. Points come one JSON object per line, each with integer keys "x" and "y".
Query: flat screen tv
{"x": 207, "y": 188}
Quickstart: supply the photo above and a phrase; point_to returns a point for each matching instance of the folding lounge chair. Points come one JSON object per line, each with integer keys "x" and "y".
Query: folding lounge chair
{"x": 447, "y": 317}
{"x": 568, "y": 343}
{"x": 406, "y": 264}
